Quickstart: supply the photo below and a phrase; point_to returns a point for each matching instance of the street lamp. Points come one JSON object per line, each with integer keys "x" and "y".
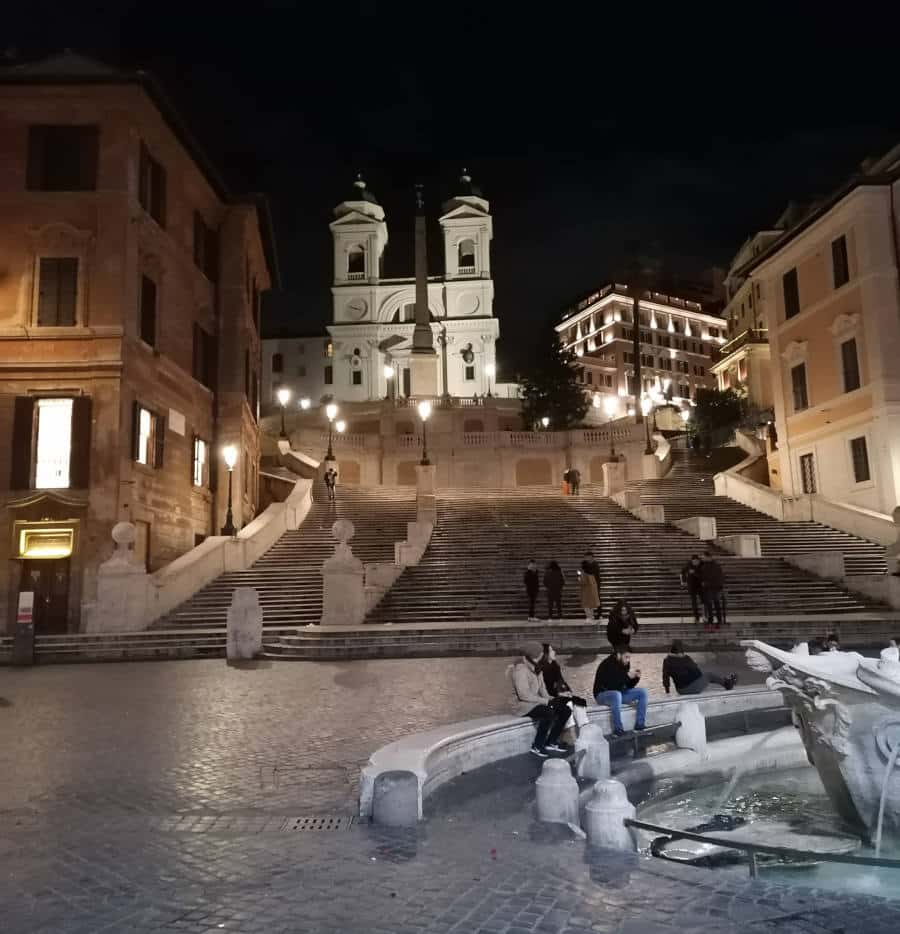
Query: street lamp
{"x": 611, "y": 407}
{"x": 304, "y": 404}
{"x": 340, "y": 426}
{"x": 545, "y": 422}
{"x": 331, "y": 411}
{"x": 424, "y": 412}
{"x": 284, "y": 396}
{"x": 646, "y": 406}
{"x": 389, "y": 376}
{"x": 685, "y": 416}
{"x": 229, "y": 455}
{"x": 489, "y": 372}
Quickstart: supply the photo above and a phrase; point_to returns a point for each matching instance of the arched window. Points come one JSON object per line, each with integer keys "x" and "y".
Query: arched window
{"x": 277, "y": 363}
{"x": 466, "y": 255}
{"x": 406, "y": 313}
{"x": 356, "y": 263}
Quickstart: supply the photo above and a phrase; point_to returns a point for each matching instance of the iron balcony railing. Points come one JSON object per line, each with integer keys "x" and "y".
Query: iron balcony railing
{"x": 750, "y": 336}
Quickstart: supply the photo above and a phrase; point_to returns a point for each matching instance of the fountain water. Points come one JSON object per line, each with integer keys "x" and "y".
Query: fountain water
{"x": 884, "y": 790}
{"x": 739, "y": 770}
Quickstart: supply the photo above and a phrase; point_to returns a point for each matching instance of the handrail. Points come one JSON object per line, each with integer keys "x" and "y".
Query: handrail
{"x": 754, "y": 848}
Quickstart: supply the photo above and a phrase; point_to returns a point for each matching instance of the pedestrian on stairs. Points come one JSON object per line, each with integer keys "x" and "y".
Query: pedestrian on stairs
{"x": 622, "y": 624}
{"x": 712, "y": 578}
{"x": 532, "y": 580}
{"x": 330, "y": 482}
{"x": 691, "y": 581}
{"x": 574, "y": 481}
{"x": 553, "y": 584}
{"x": 590, "y": 594}
{"x": 589, "y": 566}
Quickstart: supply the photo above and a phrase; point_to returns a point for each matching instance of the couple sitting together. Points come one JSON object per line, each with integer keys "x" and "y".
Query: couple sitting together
{"x": 543, "y": 694}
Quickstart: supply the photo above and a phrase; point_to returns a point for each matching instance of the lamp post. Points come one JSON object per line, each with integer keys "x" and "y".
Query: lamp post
{"x": 545, "y": 422}
{"x": 646, "y": 406}
{"x": 489, "y": 372}
{"x": 443, "y": 340}
{"x": 424, "y": 411}
{"x": 389, "y": 377}
{"x": 611, "y": 407}
{"x": 304, "y": 404}
{"x": 229, "y": 455}
{"x": 284, "y": 396}
{"x": 331, "y": 411}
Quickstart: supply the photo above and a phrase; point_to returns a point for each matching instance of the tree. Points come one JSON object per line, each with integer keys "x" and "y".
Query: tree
{"x": 717, "y": 414}
{"x": 550, "y": 387}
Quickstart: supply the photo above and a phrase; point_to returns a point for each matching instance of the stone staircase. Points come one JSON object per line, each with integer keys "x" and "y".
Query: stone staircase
{"x": 473, "y": 567}
{"x": 288, "y": 576}
{"x": 687, "y": 490}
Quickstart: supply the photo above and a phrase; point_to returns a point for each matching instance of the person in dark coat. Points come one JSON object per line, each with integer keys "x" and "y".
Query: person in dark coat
{"x": 574, "y": 481}
{"x": 553, "y": 584}
{"x": 682, "y": 671}
{"x": 589, "y": 566}
{"x": 622, "y": 623}
{"x": 615, "y": 684}
{"x": 532, "y": 581}
{"x": 712, "y": 577}
{"x": 557, "y": 686}
{"x": 691, "y": 581}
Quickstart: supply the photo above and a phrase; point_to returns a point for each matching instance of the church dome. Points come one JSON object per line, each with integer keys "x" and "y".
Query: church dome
{"x": 465, "y": 188}
{"x": 361, "y": 193}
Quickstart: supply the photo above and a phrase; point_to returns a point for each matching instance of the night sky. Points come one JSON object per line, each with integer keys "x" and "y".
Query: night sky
{"x": 595, "y": 132}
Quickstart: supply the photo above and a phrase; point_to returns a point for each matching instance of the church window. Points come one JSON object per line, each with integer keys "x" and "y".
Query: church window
{"x": 357, "y": 378}
{"x": 277, "y": 363}
{"x": 356, "y": 263}
{"x": 329, "y": 375}
{"x": 329, "y": 349}
{"x": 470, "y": 372}
{"x": 467, "y": 254}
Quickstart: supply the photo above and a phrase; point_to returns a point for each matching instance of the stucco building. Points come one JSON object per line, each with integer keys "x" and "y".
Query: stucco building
{"x": 830, "y": 290}
{"x": 365, "y": 356}
{"x": 677, "y": 342}
{"x": 129, "y": 327}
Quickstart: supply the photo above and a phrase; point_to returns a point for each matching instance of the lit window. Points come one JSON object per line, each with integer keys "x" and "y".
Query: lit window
{"x": 54, "y": 443}
{"x": 329, "y": 349}
{"x": 149, "y": 437}
{"x": 145, "y": 436}
{"x": 199, "y": 471}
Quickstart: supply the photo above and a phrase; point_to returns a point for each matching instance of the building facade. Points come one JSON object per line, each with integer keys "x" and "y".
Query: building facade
{"x": 366, "y": 354}
{"x": 678, "y": 340}
{"x": 129, "y": 319}
{"x": 830, "y": 287}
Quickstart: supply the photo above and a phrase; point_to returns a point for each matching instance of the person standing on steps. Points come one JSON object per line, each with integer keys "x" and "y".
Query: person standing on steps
{"x": 553, "y": 584}
{"x": 532, "y": 581}
{"x": 533, "y": 701}
{"x": 590, "y": 595}
{"x": 330, "y": 482}
{"x": 589, "y": 566}
{"x": 680, "y": 669}
{"x": 615, "y": 684}
{"x": 622, "y": 624}
{"x": 575, "y": 481}
{"x": 692, "y": 583}
{"x": 712, "y": 577}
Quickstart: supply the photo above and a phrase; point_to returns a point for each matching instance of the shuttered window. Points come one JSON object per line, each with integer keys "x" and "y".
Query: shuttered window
{"x": 62, "y": 158}
{"x": 791, "y": 288}
{"x": 859, "y": 452}
{"x": 206, "y": 248}
{"x": 204, "y": 357}
{"x": 798, "y": 385}
{"x": 839, "y": 265}
{"x": 57, "y": 291}
{"x": 152, "y": 186}
{"x": 51, "y": 443}
{"x": 148, "y": 311}
{"x": 850, "y": 365}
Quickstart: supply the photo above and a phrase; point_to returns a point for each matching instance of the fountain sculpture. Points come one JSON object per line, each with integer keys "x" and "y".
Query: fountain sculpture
{"x": 847, "y": 709}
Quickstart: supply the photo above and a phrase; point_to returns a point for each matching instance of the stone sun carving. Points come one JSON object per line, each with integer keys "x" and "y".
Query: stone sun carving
{"x": 794, "y": 353}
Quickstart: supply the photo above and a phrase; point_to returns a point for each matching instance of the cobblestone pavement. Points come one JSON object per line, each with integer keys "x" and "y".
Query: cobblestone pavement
{"x": 155, "y": 797}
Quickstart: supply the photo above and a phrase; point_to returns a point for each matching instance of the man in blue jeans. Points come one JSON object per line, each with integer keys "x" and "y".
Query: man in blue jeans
{"x": 614, "y": 685}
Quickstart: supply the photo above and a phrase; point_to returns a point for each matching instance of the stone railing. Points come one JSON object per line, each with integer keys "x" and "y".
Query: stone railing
{"x": 129, "y": 599}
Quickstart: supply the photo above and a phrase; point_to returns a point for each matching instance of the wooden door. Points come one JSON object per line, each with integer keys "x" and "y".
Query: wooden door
{"x": 49, "y": 580}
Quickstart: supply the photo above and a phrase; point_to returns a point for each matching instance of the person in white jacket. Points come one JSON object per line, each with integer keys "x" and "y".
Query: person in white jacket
{"x": 533, "y": 700}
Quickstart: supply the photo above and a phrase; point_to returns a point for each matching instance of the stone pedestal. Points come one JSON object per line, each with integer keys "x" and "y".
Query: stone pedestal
{"x": 122, "y": 588}
{"x": 691, "y": 734}
{"x": 613, "y": 477}
{"x": 745, "y": 545}
{"x": 423, "y": 372}
{"x": 343, "y": 581}
{"x": 245, "y": 625}
{"x": 650, "y": 467}
{"x": 395, "y": 799}
{"x": 608, "y": 808}
{"x": 592, "y": 753}
{"x": 702, "y": 527}
{"x": 557, "y": 793}
{"x": 426, "y": 500}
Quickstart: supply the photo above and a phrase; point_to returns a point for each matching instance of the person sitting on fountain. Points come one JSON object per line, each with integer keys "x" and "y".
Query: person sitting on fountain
{"x": 533, "y": 701}
{"x": 558, "y": 688}
{"x": 614, "y": 685}
{"x": 831, "y": 643}
{"x": 680, "y": 669}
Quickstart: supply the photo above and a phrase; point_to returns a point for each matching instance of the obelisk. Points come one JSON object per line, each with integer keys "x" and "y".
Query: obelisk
{"x": 423, "y": 361}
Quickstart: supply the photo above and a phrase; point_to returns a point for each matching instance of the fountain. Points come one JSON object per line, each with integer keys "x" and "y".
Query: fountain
{"x": 847, "y": 709}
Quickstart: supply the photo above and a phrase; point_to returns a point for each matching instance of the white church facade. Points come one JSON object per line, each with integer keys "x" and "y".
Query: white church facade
{"x": 366, "y": 355}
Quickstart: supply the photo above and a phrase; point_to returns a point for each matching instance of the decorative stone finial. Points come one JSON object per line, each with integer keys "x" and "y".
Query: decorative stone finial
{"x": 343, "y": 530}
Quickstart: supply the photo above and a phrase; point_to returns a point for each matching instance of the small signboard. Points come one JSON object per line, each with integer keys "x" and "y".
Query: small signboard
{"x": 23, "y": 635}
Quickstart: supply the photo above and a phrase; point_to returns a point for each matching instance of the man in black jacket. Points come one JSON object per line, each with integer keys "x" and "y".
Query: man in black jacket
{"x": 686, "y": 674}
{"x": 614, "y": 685}
{"x": 713, "y": 579}
{"x": 691, "y": 581}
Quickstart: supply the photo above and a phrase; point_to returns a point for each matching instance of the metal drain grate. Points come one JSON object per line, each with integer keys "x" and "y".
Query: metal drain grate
{"x": 314, "y": 824}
